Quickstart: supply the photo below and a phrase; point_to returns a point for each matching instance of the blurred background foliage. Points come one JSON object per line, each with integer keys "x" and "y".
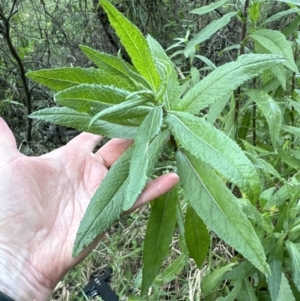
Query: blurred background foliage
{"x": 43, "y": 34}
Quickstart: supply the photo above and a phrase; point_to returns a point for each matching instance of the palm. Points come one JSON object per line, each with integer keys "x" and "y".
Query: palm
{"x": 48, "y": 196}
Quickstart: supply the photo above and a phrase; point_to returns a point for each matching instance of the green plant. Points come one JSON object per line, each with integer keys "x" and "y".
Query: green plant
{"x": 145, "y": 101}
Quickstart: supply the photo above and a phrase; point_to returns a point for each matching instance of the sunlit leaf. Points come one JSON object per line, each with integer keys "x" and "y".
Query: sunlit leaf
{"x": 116, "y": 65}
{"x": 254, "y": 12}
{"x": 134, "y": 43}
{"x": 63, "y": 78}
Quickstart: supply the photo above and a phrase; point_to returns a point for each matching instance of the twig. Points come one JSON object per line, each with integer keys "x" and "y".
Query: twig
{"x": 5, "y": 31}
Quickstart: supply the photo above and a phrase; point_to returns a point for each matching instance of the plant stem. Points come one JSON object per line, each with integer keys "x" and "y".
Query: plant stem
{"x": 254, "y": 124}
{"x": 293, "y": 86}
{"x": 173, "y": 141}
{"x": 242, "y": 51}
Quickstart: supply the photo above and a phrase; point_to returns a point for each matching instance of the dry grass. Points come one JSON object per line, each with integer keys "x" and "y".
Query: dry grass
{"x": 121, "y": 249}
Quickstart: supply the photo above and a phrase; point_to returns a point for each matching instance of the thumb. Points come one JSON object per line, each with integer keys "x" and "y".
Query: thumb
{"x": 7, "y": 139}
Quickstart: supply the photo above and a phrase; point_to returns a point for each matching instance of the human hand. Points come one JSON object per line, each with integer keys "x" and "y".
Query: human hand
{"x": 42, "y": 202}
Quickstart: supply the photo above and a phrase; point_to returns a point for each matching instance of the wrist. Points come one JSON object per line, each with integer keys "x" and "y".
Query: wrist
{"x": 19, "y": 280}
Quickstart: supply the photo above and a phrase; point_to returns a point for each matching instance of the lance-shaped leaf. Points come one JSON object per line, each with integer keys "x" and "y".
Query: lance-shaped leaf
{"x": 291, "y": 28}
{"x": 208, "y": 8}
{"x": 216, "y": 109}
{"x": 240, "y": 271}
{"x": 275, "y": 262}
{"x": 294, "y": 104}
{"x": 225, "y": 79}
{"x": 105, "y": 60}
{"x": 115, "y": 65}
{"x": 218, "y": 208}
{"x": 294, "y": 254}
{"x": 232, "y": 296}
{"x": 154, "y": 150}
{"x": 281, "y": 14}
{"x": 207, "y": 32}
{"x": 291, "y": 129}
{"x": 71, "y": 118}
{"x": 107, "y": 203}
{"x": 172, "y": 270}
{"x": 253, "y": 213}
{"x": 130, "y": 117}
{"x": 212, "y": 146}
{"x": 247, "y": 292}
{"x": 276, "y": 43}
{"x": 63, "y": 78}
{"x": 280, "y": 73}
{"x": 172, "y": 92}
{"x": 296, "y": 2}
{"x": 285, "y": 292}
{"x": 254, "y": 12}
{"x": 135, "y": 44}
{"x": 158, "y": 237}
{"x": 124, "y": 106}
{"x": 91, "y": 98}
{"x": 149, "y": 128}
{"x": 196, "y": 236}
{"x": 271, "y": 111}
{"x": 288, "y": 158}
{"x": 211, "y": 281}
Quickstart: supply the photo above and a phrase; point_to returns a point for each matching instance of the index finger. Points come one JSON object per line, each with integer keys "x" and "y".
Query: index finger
{"x": 113, "y": 149}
